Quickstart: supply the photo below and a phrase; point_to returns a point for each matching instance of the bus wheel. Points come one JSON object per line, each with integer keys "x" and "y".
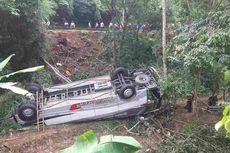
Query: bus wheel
{"x": 127, "y": 91}
{"x": 27, "y": 111}
{"x": 33, "y": 87}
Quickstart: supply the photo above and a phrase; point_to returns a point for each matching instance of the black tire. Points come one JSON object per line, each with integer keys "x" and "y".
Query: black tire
{"x": 118, "y": 71}
{"x": 27, "y": 112}
{"x": 33, "y": 87}
{"x": 127, "y": 91}
{"x": 142, "y": 79}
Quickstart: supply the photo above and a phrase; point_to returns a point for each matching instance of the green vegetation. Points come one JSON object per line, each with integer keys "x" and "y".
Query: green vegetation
{"x": 11, "y": 85}
{"x": 198, "y": 53}
{"x": 201, "y": 51}
{"x": 225, "y": 121}
{"x": 88, "y": 143}
{"x": 195, "y": 138}
{"x": 9, "y": 101}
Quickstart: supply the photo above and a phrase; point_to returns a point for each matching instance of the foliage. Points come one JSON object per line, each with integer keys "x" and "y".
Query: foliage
{"x": 175, "y": 86}
{"x": 147, "y": 11}
{"x": 225, "y": 121}
{"x": 10, "y": 85}
{"x": 64, "y": 11}
{"x": 9, "y": 5}
{"x": 227, "y": 76}
{"x": 48, "y": 8}
{"x": 84, "y": 11}
{"x": 22, "y": 32}
{"x": 43, "y": 77}
{"x": 109, "y": 124}
{"x": 132, "y": 46}
{"x": 195, "y": 138}
{"x": 88, "y": 143}
{"x": 8, "y": 102}
{"x": 201, "y": 50}
{"x": 188, "y": 11}
{"x": 139, "y": 49}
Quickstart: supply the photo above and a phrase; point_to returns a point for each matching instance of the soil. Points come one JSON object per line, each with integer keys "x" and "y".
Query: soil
{"x": 203, "y": 116}
{"x": 53, "y": 139}
{"x": 78, "y": 51}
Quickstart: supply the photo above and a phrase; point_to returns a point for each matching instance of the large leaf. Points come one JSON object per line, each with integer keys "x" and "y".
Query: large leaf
{"x": 3, "y": 63}
{"x": 227, "y": 125}
{"x": 118, "y": 144}
{"x": 86, "y": 143}
{"x": 225, "y": 120}
{"x": 11, "y": 86}
{"x": 219, "y": 124}
{"x": 226, "y": 110}
{"x": 32, "y": 69}
{"x": 227, "y": 76}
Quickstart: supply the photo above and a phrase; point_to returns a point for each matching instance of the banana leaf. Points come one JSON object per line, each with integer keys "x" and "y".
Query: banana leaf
{"x": 11, "y": 86}
{"x": 32, "y": 69}
{"x": 3, "y": 63}
{"x": 88, "y": 143}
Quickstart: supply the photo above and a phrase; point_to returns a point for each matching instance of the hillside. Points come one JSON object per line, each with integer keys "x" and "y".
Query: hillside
{"x": 77, "y": 51}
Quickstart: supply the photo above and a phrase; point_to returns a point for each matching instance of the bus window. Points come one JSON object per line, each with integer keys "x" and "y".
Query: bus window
{"x": 71, "y": 94}
{"x": 58, "y": 96}
{"x": 79, "y": 92}
{"x": 52, "y": 97}
{"x": 88, "y": 90}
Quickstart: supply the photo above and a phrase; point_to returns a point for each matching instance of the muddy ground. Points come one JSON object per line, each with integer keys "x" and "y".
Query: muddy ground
{"x": 149, "y": 134}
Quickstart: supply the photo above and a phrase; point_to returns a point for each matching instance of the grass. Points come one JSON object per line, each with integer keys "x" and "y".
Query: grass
{"x": 8, "y": 102}
{"x": 194, "y": 138}
{"x": 107, "y": 125}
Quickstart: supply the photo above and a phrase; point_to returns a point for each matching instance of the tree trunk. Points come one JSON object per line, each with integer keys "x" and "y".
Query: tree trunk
{"x": 195, "y": 91}
{"x": 164, "y": 36}
{"x": 194, "y": 107}
{"x": 116, "y": 51}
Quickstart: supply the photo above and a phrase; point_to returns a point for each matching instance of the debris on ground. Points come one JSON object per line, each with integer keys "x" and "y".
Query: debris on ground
{"x": 78, "y": 52}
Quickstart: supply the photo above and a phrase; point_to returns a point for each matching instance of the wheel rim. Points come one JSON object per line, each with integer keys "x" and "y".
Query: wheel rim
{"x": 128, "y": 92}
{"x": 27, "y": 112}
{"x": 142, "y": 79}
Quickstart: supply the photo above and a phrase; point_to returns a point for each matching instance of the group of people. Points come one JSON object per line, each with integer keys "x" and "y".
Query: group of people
{"x": 72, "y": 25}
{"x": 97, "y": 25}
{"x": 117, "y": 26}
{"x": 111, "y": 25}
{"x": 102, "y": 25}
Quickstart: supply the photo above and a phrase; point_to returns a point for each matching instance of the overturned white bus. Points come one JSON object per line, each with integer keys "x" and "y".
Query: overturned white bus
{"x": 121, "y": 94}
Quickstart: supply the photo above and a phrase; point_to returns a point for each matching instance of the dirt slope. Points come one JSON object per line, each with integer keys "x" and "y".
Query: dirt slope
{"x": 76, "y": 51}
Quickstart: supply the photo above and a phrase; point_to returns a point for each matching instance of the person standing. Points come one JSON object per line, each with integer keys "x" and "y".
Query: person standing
{"x": 89, "y": 25}
{"x": 102, "y": 24}
{"x": 72, "y": 25}
{"x": 110, "y": 25}
{"x": 66, "y": 25}
{"x": 96, "y": 25}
